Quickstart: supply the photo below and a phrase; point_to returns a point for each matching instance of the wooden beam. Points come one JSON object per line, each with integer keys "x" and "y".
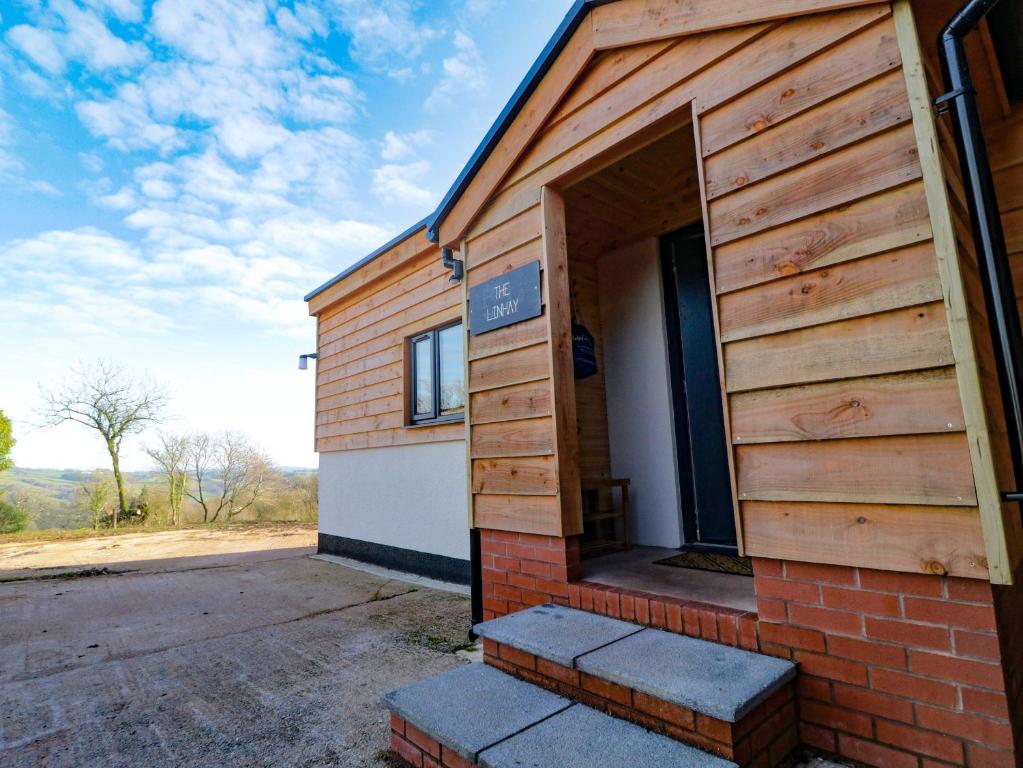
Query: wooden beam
{"x": 559, "y": 319}
{"x": 631, "y": 22}
{"x": 733, "y": 475}
{"x": 1000, "y": 527}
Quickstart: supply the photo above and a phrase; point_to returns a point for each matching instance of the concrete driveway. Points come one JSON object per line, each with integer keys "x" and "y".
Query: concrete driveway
{"x": 274, "y": 661}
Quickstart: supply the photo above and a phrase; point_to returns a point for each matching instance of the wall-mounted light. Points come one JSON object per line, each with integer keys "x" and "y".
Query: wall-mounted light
{"x": 303, "y": 361}
{"x": 447, "y": 258}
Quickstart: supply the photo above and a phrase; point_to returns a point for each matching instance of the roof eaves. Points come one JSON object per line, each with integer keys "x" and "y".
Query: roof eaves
{"x": 364, "y": 261}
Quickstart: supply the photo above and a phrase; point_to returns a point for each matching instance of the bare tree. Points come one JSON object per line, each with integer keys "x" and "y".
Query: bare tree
{"x": 171, "y": 455}
{"x": 231, "y": 465}
{"x": 106, "y": 398}
{"x": 201, "y": 461}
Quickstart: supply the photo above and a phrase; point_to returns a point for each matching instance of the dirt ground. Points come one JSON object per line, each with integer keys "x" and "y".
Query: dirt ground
{"x": 263, "y": 657}
{"x": 163, "y": 550}
{"x": 209, "y": 648}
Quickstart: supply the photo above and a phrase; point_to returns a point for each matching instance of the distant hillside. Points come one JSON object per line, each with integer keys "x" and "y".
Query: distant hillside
{"x": 54, "y": 498}
{"x": 60, "y": 485}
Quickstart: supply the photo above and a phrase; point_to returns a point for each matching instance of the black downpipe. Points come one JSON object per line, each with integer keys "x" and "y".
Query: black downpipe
{"x": 476, "y": 578}
{"x": 999, "y": 295}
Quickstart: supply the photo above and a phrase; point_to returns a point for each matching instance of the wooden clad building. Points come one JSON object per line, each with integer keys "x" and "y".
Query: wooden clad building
{"x": 760, "y": 332}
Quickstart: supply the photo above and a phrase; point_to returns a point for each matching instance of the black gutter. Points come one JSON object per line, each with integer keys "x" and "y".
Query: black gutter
{"x": 536, "y": 73}
{"x": 992, "y": 254}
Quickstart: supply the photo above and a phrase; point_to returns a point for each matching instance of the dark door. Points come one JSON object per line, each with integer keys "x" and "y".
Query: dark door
{"x": 707, "y": 513}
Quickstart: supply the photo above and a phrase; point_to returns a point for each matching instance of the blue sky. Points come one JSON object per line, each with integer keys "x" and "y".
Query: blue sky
{"x": 176, "y": 175}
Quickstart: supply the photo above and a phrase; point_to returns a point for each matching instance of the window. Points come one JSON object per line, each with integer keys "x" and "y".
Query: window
{"x": 437, "y": 387}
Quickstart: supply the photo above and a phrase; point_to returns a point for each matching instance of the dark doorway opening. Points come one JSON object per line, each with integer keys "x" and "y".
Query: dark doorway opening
{"x": 708, "y": 521}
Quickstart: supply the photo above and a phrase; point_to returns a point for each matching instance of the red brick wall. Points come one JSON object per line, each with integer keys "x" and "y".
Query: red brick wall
{"x": 525, "y": 569}
{"x": 719, "y": 624}
{"x": 896, "y": 670}
{"x": 1009, "y": 607}
{"x": 420, "y": 750}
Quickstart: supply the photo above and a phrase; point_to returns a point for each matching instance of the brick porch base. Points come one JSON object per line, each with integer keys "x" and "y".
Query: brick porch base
{"x": 763, "y": 738}
{"x": 897, "y": 670}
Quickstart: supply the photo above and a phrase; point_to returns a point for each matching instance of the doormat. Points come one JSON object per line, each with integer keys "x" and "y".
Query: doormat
{"x": 709, "y": 561}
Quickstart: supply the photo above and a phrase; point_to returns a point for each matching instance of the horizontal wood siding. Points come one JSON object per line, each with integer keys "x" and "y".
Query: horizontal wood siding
{"x": 360, "y": 379}
{"x": 843, "y": 399}
{"x": 513, "y": 440}
{"x": 979, "y": 384}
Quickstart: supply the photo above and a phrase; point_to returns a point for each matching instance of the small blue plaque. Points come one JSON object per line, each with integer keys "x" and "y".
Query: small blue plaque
{"x": 505, "y": 300}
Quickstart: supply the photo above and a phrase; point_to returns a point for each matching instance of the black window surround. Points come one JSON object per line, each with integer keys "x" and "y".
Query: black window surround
{"x": 424, "y": 376}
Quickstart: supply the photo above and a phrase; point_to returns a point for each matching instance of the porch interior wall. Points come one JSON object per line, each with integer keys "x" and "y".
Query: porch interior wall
{"x": 639, "y": 402}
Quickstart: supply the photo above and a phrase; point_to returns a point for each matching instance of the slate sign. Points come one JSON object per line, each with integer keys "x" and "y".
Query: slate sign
{"x": 505, "y": 300}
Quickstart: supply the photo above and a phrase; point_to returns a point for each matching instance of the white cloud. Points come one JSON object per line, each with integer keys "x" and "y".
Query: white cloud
{"x": 465, "y": 74}
{"x": 125, "y": 122}
{"x": 481, "y": 7}
{"x": 125, "y": 10}
{"x": 122, "y": 200}
{"x": 12, "y": 169}
{"x": 87, "y": 39}
{"x": 232, "y": 32}
{"x": 399, "y": 184}
{"x": 397, "y": 146}
{"x": 91, "y": 162}
{"x": 249, "y": 135}
{"x": 38, "y": 46}
{"x": 68, "y": 32}
{"x": 302, "y": 22}
{"x": 87, "y": 247}
{"x": 384, "y": 33}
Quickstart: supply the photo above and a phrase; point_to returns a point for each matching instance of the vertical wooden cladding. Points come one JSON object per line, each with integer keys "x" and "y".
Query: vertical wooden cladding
{"x": 843, "y": 398}
{"x": 362, "y": 328}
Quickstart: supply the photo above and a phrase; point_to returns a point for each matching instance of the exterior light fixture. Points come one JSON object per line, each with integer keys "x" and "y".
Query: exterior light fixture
{"x": 303, "y": 361}
{"x": 447, "y": 258}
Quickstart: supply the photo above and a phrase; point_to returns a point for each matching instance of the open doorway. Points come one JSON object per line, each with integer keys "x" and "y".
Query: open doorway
{"x": 652, "y": 448}
{"x": 708, "y": 519}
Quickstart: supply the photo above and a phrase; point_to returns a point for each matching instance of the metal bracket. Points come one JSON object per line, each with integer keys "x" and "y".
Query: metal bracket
{"x": 941, "y": 103}
{"x": 1012, "y": 496}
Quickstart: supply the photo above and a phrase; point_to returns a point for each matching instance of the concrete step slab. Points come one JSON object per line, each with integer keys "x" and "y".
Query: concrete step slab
{"x": 580, "y": 737}
{"x": 556, "y": 633}
{"x": 717, "y": 680}
{"x": 473, "y": 707}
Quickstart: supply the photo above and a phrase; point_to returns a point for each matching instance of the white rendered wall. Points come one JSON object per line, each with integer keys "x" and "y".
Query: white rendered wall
{"x": 407, "y": 496}
{"x": 639, "y": 409}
